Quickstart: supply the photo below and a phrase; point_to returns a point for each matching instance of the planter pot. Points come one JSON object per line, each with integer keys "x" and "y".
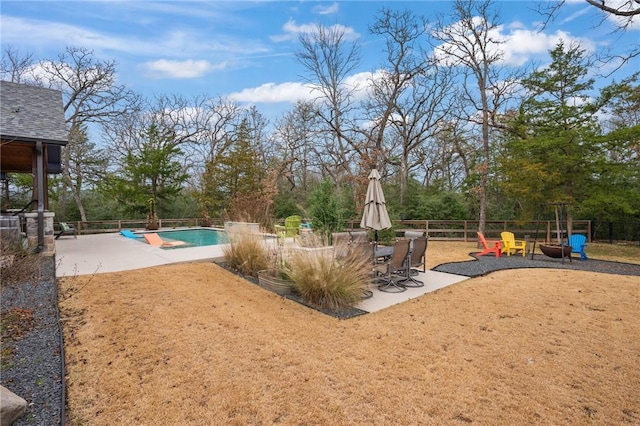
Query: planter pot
{"x": 269, "y": 279}
{"x": 556, "y": 251}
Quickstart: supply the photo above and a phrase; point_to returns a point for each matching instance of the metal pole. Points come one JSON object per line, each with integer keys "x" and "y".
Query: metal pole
{"x": 40, "y": 176}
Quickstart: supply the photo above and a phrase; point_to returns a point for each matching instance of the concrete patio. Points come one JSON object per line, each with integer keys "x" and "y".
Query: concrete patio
{"x": 103, "y": 253}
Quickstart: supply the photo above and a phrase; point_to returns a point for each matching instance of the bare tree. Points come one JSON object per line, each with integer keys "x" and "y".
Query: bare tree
{"x": 402, "y": 32}
{"x": 468, "y": 43}
{"x": 407, "y": 95}
{"x": 14, "y": 65}
{"x": 90, "y": 95}
{"x": 294, "y": 141}
{"x": 329, "y": 59}
{"x": 626, "y": 12}
{"x": 200, "y": 127}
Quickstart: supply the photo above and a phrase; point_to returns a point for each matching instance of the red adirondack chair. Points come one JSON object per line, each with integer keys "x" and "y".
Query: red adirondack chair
{"x": 496, "y": 248}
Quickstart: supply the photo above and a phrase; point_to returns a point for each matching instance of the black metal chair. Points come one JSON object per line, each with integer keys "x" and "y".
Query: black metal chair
{"x": 395, "y": 263}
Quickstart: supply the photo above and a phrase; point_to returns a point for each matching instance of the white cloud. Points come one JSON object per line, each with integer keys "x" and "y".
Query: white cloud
{"x": 180, "y": 43}
{"x": 36, "y": 33}
{"x": 585, "y": 10}
{"x": 326, "y": 9}
{"x": 274, "y": 93}
{"x": 292, "y": 31}
{"x": 164, "y": 68}
{"x": 632, "y": 22}
{"x": 521, "y": 45}
{"x": 517, "y": 45}
{"x": 294, "y": 91}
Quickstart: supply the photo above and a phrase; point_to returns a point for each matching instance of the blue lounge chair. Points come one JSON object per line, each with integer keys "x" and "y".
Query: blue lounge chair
{"x": 127, "y": 233}
{"x": 578, "y": 242}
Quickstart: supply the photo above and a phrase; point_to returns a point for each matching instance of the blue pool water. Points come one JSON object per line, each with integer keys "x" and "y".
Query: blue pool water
{"x": 196, "y": 237}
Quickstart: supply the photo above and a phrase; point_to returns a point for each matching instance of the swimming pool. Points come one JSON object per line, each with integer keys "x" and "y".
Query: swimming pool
{"x": 196, "y": 237}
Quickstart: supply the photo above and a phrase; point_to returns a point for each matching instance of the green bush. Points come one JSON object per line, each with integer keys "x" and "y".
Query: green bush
{"x": 326, "y": 209}
{"x": 323, "y": 281}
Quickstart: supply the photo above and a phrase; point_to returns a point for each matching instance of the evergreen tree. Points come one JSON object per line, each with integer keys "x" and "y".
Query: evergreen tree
{"x": 150, "y": 172}
{"x": 557, "y": 154}
{"x": 235, "y": 176}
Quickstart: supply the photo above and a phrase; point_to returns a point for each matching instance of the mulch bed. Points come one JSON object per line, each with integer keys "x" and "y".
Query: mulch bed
{"x": 346, "y": 313}
{"x": 483, "y": 265}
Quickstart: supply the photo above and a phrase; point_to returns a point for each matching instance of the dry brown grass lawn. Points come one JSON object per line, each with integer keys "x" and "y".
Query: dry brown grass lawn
{"x": 193, "y": 344}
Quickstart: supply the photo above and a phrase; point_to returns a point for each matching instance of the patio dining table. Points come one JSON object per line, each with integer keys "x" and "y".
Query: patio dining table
{"x": 382, "y": 252}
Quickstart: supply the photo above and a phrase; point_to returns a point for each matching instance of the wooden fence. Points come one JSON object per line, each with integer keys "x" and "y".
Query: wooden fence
{"x": 452, "y": 230}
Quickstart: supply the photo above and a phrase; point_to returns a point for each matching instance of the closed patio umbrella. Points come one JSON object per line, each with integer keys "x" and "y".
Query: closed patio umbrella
{"x": 375, "y": 214}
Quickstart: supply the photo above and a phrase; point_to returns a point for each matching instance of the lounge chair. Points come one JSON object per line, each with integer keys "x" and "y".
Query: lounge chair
{"x": 154, "y": 240}
{"x": 127, "y": 233}
{"x": 495, "y": 246}
{"x": 512, "y": 246}
{"x": 578, "y": 242}
{"x": 66, "y": 229}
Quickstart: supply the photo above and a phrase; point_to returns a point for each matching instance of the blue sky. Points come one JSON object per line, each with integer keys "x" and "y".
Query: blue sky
{"x": 245, "y": 50}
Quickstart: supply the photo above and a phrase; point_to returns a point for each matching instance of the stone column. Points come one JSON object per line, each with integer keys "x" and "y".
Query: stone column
{"x": 32, "y": 231}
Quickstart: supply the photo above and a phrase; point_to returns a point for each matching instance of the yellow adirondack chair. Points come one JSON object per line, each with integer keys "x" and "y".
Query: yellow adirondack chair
{"x": 511, "y": 245}
{"x": 290, "y": 228}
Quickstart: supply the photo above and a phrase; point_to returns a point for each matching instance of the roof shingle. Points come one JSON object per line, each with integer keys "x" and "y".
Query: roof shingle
{"x": 31, "y": 114}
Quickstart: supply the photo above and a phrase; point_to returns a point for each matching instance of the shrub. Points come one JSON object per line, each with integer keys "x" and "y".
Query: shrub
{"x": 247, "y": 253}
{"x": 18, "y": 264}
{"x": 326, "y": 282}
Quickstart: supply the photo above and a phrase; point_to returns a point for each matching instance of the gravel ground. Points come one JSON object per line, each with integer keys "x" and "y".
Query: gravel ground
{"x": 35, "y": 370}
{"x": 486, "y": 264}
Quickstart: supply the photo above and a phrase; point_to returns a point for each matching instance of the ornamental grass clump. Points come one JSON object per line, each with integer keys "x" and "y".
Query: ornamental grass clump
{"x": 247, "y": 253}
{"x": 326, "y": 282}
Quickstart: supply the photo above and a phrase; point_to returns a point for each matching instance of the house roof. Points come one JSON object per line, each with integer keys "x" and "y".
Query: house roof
{"x": 31, "y": 114}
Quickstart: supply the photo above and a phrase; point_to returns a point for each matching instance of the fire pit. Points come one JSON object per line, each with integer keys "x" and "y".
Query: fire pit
{"x": 556, "y": 250}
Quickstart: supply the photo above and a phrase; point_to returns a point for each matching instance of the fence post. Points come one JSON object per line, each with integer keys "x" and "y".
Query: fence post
{"x": 610, "y": 232}
{"x": 466, "y": 237}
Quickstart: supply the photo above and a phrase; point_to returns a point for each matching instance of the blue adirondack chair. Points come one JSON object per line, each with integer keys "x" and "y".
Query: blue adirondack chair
{"x": 578, "y": 242}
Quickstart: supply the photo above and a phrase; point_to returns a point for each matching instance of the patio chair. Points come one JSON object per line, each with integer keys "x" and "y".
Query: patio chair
{"x": 127, "y": 233}
{"x": 154, "y": 240}
{"x": 412, "y": 235}
{"x": 395, "y": 263}
{"x": 291, "y": 227}
{"x": 417, "y": 258}
{"x": 578, "y": 242}
{"x": 341, "y": 241}
{"x": 66, "y": 229}
{"x": 359, "y": 237}
{"x": 511, "y": 245}
{"x": 495, "y": 246}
